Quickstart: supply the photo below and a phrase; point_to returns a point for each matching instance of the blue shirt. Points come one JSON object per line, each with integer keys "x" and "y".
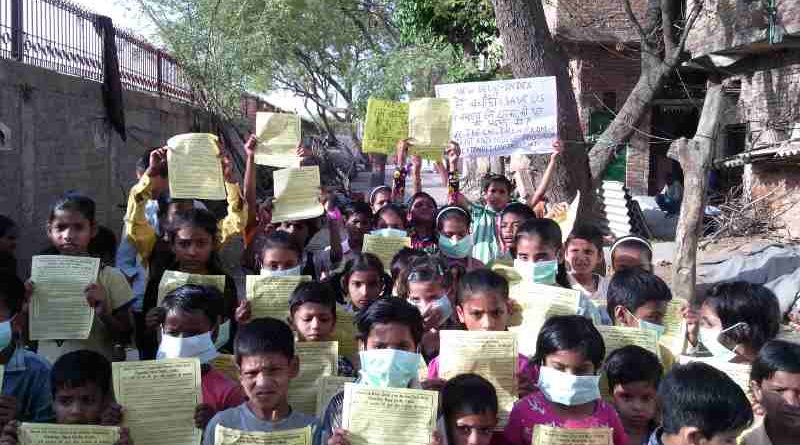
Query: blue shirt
{"x": 27, "y": 377}
{"x": 128, "y": 259}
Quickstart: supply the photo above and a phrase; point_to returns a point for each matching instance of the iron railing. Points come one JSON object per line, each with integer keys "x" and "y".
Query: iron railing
{"x": 63, "y": 37}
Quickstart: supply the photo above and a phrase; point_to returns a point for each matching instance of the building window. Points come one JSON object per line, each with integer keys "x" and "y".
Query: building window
{"x": 735, "y": 139}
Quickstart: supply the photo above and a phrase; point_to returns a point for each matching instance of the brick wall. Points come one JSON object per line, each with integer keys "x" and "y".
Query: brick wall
{"x": 594, "y": 20}
{"x": 771, "y": 92}
{"x": 783, "y": 182}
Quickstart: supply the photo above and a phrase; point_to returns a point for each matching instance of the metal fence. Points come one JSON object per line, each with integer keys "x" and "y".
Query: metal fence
{"x": 61, "y": 36}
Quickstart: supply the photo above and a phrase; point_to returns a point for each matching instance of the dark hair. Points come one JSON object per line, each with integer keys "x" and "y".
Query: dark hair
{"x": 549, "y": 234}
{"x": 279, "y": 240}
{"x": 195, "y": 218}
{"x": 358, "y": 207}
{"x": 12, "y": 292}
{"x": 359, "y": 262}
{"x": 386, "y": 310}
{"x": 401, "y": 261}
{"x": 633, "y": 288}
{"x": 753, "y": 304}
{"x": 570, "y": 333}
{"x": 376, "y": 190}
{"x": 6, "y": 225}
{"x": 519, "y": 209}
{"x": 263, "y": 336}
{"x": 496, "y": 179}
{"x": 74, "y": 202}
{"x": 467, "y": 394}
{"x": 587, "y": 233}
{"x": 192, "y": 297}
{"x": 143, "y": 163}
{"x": 78, "y": 368}
{"x": 634, "y": 242}
{"x": 104, "y": 245}
{"x": 313, "y": 292}
{"x": 389, "y": 208}
{"x": 698, "y": 395}
{"x": 450, "y": 212}
{"x": 422, "y": 195}
{"x": 431, "y": 267}
{"x": 481, "y": 280}
{"x": 631, "y": 364}
{"x": 774, "y": 356}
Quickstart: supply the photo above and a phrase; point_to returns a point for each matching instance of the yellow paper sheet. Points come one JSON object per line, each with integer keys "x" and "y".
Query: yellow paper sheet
{"x": 387, "y": 123}
{"x": 173, "y": 279}
{"x": 616, "y": 337}
{"x": 297, "y": 193}
{"x": 534, "y": 304}
{"x": 59, "y": 310}
{"x": 429, "y": 123}
{"x": 492, "y": 355}
{"x": 389, "y": 416}
{"x": 269, "y": 296}
{"x": 674, "y": 335}
{"x": 230, "y": 436}
{"x": 345, "y": 335}
{"x": 317, "y": 360}
{"x": 278, "y": 137}
{"x": 159, "y": 398}
{"x": 385, "y": 247}
{"x": 329, "y": 386}
{"x": 548, "y": 435}
{"x": 55, "y": 434}
{"x": 195, "y": 170}
{"x": 568, "y": 222}
{"x": 738, "y": 372}
{"x": 226, "y": 364}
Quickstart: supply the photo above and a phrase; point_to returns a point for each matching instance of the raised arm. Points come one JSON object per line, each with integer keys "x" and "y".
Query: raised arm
{"x": 250, "y": 193}
{"x": 140, "y": 234}
{"x": 452, "y": 176}
{"x": 538, "y": 195}
{"x": 399, "y": 179}
{"x": 416, "y": 173}
{"x": 238, "y": 212}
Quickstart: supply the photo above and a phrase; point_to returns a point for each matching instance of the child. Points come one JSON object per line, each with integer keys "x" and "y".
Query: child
{"x": 399, "y": 268}
{"x": 312, "y": 309}
{"x": 391, "y": 216}
{"x": 379, "y": 197}
{"x": 746, "y": 315}
{"x": 361, "y": 282}
{"x": 390, "y": 330}
{"x": 569, "y": 351}
{"x": 538, "y": 258}
{"x": 775, "y": 381}
{"x": 358, "y": 222}
{"x": 280, "y": 256}
{"x": 512, "y": 216}
{"x": 191, "y": 322}
{"x": 26, "y": 378}
{"x": 633, "y": 375}
{"x": 469, "y": 409}
{"x": 81, "y": 394}
{"x": 483, "y": 305}
{"x": 193, "y": 239}
{"x": 264, "y": 352}
{"x": 421, "y": 222}
{"x": 425, "y": 285}
{"x": 455, "y": 241}
{"x": 631, "y": 251}
{"x": 8, "y": 245}
{"x": 584, "y": 251}
{"x": 700, "y": 405}
{"x": 71, "y": 226}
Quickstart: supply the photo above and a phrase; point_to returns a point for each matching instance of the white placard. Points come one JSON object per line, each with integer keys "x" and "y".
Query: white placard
{"x": 503, "y": 117}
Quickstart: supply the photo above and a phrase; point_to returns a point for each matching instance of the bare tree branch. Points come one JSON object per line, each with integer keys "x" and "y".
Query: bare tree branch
{"x": 667, "y": 17}
{"x": 635, "y": 21}
{"x": 691, "y": 18}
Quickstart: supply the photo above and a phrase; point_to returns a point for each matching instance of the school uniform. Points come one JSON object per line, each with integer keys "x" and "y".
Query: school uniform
{"x": 242, "y": 418}
{"x": 27, "y": 378}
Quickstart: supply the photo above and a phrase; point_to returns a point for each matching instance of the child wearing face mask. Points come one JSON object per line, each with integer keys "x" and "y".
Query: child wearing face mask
{"x": 538, "y": 258}
{"x": 469, "y": 409}
{"x": 82, "y": 395}
{"x": 455, "y": 241}
{"x": 393, "y": 217}
{"x": 192, "y": 318}
{"x": 362, "y": 281}
{"x": 265, "y": 356}
{"x": 483, "y": 305}
{"x": 389, "y": 333}
{"x": 399, "y": 268}
{"x": 584, "y": 251}
{"x": 569, "y": 351}
{"x": 775, "y": 382}
{"x": 633, "y": 374}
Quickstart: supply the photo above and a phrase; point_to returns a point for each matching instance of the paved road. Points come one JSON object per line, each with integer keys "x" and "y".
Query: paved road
{"x": 430, "y": 183}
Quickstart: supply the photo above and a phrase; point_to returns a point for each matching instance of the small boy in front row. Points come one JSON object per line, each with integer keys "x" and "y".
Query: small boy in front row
{"x": 633, "y": 375}
{"x": 700, "y": 405}
{"x": 264, "y": 353}
{"x": 81, "y": 382}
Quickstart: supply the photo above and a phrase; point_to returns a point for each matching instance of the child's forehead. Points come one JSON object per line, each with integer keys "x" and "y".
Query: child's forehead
{"x": 263, "y": 359}
{"x": 313, "y": 306}
{"x": 639, "y": 387}
{"x": 534, "y": 242}
{"x": 484, "y": 298}
{"x": 69, "y": 389}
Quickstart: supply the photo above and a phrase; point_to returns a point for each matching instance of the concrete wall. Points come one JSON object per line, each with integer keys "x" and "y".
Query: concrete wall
{"x": 59, "y": 139}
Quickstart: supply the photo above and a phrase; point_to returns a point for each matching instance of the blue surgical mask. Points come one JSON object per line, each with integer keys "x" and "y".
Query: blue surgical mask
{"x": 388, "y": 368}
{"x": 5, "y": 334}
{"x": 291, "y": 272}
{"x": 199, "y": 346}
{"x": 390, "y": 232}
{"x": 456, "y": 249}
{"x": 648, "y": 326}
{"x": 223, "y": 334}
{"x": 567, "y": 389}
{"x": 441, "y": 304}
{"x": 542, "y": 272}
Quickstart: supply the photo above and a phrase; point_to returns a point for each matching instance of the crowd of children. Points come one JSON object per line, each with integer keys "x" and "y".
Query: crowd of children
{"x": 464, "y": 262}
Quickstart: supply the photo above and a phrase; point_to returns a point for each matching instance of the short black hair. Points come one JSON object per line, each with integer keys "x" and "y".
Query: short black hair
{"x": 402, "y": 259}
{"x": 519, "y": 209}
{"x": 193, "y": 297}
{"x": 467, "y": 394}
{"x": 12, "y": 292}
{"x": 570, "y": 333}
{"x": 77, "y": 368}
{"x": 279, "y": 240}
{"x": 358, "y": 207}
{"x": 452, "y": 212}
{"x": 263, "y": 336}
{"x": 396, "y": 209}
{"x": 698, "y": 395}
{"x": 428, "y": 268}
{"x": 73, "y": 201}
{"x": 752, "y": 304}
{"x": 496, "y": 179}
{"x": 386, "y": 310}
{"x": 195, "y": 218}
{"x": 631, "y": 364}
{"x": 546, "y": 229}
{"x": 587, "y": 233}
{"x": 774, "y": 356}
{"x": 313, "y": 292}
{"x": 633, "y": 288}
{"x": 481, "y": 280}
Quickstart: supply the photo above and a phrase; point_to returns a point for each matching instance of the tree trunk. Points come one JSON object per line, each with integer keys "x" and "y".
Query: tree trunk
{"x": 532, "y": 52}
{"x": 695, "y": 158}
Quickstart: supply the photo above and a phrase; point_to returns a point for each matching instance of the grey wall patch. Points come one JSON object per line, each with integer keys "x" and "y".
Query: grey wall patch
{"x": 5, "y": 137}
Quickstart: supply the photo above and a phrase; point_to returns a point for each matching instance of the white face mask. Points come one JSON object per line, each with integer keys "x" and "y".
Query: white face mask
{"x": 292, "y": 272}
{"x": 710, "y": 339}
{"x": 198, "y": 346}
{"x": 648, "y": 326}
{"x": 567, "y": 389}
{"x": 390, "y": 232}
